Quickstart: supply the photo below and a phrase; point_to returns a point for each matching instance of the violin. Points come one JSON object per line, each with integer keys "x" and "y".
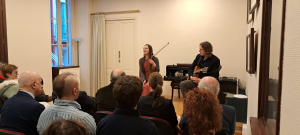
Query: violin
{"x": 151, "y": 67}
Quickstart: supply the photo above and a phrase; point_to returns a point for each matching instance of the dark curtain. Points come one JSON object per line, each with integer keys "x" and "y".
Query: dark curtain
{"x": 3, "y": 36}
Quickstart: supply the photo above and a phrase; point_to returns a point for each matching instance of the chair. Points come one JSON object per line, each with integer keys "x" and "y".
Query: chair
{"x": 175, "y": 85}
{"x": 8, "y": 132}
{"x": 185, "y": 131}
{"x": 100, "y": 114}
{"x": 163, "y": 127}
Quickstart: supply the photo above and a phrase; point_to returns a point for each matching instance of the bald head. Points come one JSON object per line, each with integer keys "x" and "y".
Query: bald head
{"x": 27, "y": 77}
{"x": 210, "y": 83}
{"x": 66, "y": 86}
{"x": 31, "y": 82}
{"x": 115, "y": 74}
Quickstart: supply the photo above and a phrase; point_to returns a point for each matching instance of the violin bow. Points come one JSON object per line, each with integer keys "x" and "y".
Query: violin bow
{"x": 161, "y": 49}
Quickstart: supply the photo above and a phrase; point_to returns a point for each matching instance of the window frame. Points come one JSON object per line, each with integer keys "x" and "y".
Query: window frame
{"x": 60, "y": 44}
{"x": 264, "y": 71}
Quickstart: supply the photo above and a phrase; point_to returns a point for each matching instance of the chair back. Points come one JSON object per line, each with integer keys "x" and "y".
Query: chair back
{"x": 8, "y": 132}
{"x": 163, "y": 127}
{"x": 100, "y": 114}
{"x": 221, "y": 133}
{"x": 185, "y": 131}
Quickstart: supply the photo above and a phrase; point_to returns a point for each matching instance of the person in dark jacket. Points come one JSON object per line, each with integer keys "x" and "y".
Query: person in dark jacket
{"x": 126, "y": 119}
{"x": 104, "y": 96}
{"x": 21, "y": 112}
{"x": 155, "y": 105}
{"x": 229, "y": 113}
{"x": 208, "y": 62}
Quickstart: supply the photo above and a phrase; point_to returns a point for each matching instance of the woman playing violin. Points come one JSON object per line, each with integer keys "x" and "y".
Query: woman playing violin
{"x": 148, "y": 64}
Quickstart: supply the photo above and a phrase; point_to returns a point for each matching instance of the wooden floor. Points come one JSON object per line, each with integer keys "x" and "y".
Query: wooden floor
{"x": 178, "y": 104}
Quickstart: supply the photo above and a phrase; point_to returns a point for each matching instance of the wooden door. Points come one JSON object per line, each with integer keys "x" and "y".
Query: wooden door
{"x": 120, "y": 47}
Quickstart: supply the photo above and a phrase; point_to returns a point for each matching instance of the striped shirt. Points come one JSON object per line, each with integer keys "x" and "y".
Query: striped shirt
{"x": 66, "y": 109}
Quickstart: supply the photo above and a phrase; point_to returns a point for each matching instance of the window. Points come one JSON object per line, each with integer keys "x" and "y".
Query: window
{"x": 61, "y": 33}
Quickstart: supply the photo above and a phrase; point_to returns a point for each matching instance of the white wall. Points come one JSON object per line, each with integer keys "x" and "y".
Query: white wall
{"x": 290, "y": 107}
{"x": 83, "y": 10}
{"x": 28, "y": 37}
{"x": 252, "y": 80}
{"x": 185, "y": 24}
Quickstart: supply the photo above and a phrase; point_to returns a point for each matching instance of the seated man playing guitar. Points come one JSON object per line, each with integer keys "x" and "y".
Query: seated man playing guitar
{"x": 205, "y": 64}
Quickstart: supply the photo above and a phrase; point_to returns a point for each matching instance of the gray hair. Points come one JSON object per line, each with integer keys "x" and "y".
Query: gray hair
{"x": 113, "y": 77}
{"x": 215, "y": 88}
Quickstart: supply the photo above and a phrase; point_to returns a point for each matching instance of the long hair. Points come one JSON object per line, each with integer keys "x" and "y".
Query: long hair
{"x": 156, "y": 82}
{"x": 207, "y": 47}
{"x": 203, "y": 112}
{"x": 150, "y": 54}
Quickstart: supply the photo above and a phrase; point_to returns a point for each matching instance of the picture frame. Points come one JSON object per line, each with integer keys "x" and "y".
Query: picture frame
{"x": 253, "y": 4}
{"x": 249, "y": 15}
{"x": 250, "y": 53}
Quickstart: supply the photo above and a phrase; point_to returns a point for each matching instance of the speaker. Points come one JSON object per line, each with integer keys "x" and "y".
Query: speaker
{"x": 240, "y": 105}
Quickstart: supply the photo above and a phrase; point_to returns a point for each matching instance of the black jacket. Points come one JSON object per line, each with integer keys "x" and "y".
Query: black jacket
{"x": 213, "y": 64}
{"x": 165, "y": 111}
{"x": 104, "y": 99}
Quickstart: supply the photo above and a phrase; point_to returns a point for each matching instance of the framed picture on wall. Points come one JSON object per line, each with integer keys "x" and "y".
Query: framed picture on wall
{"x": 249, "y": 15}
{"x": 253, "y": 4}
{"x": 250, "y": 53}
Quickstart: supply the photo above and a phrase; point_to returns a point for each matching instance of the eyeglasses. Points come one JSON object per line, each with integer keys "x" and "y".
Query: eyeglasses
{"x": 42, "y": 82}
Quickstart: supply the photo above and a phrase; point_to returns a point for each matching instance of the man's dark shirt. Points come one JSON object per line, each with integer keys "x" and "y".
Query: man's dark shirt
{"x": 213, "y": 63}
{"x": 126, "y": 122}
{"x": 105, "y": 100}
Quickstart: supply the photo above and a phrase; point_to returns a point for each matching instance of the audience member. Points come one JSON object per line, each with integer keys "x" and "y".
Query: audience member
{"x": 126, "y": 120}
{"x": 10, "y": 87}
{"x": 155, "y": 105}
{"x": 21, "y": 112}
{"x": 229, "y": 118}
{"x": 1, "y": 76}
{"x": 86, "y": 102}
{"x": 202, "y": 110}
{"x": 104, "y": 96}
{"x": 66, "y": 86}
{"x": 65, "y": 127}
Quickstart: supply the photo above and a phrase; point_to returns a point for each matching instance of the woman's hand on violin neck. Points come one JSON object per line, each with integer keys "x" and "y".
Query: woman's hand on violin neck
{"x": 152, "y": 62}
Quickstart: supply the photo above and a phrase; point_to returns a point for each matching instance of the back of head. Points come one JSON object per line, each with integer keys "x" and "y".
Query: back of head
{"x": 155, "y": 83}
{"x": 127, "y": 91}
{"x": 65, "y": 127}
{"x": 31, "y": 82}
{"x": 207, "y": 47}
{"x": 211, "y": 84}
{"x": 115, "y": 74}
{"x": 8, "y": 68}
{"x": 63, "y": 86}
{"x": 203, "y": 112}
{"x": 1, "y": 65}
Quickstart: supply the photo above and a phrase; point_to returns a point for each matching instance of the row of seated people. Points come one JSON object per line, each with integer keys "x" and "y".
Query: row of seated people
{"x": 153, "y": 102}
{"x": 9, "y": 85}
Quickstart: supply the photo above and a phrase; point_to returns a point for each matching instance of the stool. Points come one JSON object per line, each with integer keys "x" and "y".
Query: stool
{"x": 175, "y": 85}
